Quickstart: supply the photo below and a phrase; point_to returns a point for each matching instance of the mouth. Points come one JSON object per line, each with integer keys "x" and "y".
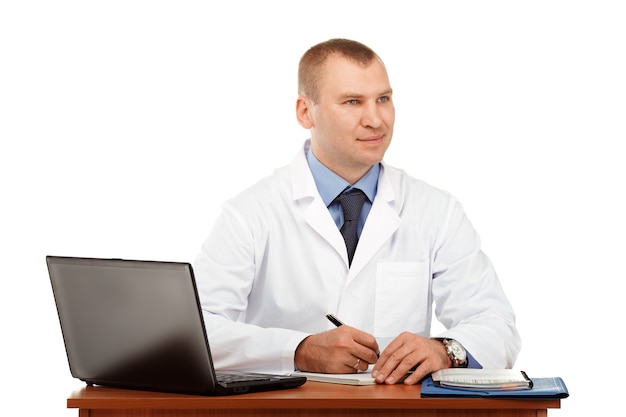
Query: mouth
{"x": 372, "y": 139}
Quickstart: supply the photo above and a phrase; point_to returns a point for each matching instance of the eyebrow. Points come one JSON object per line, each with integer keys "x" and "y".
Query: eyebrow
{"x": 359, "y": 95}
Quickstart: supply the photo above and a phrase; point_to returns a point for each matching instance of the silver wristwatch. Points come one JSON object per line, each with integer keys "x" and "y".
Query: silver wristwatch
{"x": 456, "y": 352}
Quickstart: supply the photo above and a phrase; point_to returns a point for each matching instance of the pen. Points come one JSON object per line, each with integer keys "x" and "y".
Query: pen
{"x": 334, "y": 320}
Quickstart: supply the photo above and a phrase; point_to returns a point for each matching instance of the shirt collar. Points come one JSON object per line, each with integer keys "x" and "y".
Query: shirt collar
{"x": 330, "y": 184}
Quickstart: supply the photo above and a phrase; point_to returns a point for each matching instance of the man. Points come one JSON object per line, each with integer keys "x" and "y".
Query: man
{"x": 276, "y": 263}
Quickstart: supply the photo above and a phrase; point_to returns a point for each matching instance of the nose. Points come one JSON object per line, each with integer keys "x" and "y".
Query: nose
{"x": 371, "y": 116}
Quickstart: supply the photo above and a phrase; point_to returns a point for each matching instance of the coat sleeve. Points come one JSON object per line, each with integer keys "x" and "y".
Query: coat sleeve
{"x": 469, "y": 299}
{"x": 225, "y": 274}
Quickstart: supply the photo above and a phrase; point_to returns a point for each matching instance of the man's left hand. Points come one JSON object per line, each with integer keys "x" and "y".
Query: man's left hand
{"x": 409, "y": 351}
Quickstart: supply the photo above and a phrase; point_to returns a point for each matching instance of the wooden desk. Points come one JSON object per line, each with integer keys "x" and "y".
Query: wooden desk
{"x": 311, "y": 399}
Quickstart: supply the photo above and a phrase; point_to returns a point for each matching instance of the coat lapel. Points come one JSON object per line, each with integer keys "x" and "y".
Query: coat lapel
{"x": 382, "y": 222}
{"x": 311, "y": 206}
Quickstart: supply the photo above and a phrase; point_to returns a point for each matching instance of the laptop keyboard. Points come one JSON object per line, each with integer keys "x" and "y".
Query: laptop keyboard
{"x": 229, "y": 378}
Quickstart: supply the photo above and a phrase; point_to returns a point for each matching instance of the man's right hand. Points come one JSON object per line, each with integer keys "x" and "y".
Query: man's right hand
{"x": 343, "y": 350}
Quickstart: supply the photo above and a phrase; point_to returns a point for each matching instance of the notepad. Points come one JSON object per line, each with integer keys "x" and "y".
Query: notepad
{"x": 486, "y": 379}
{"x": 360, "y": 378}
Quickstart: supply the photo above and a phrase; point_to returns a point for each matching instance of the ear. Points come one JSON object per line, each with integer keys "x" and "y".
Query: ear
{"x": 303, "y": 112}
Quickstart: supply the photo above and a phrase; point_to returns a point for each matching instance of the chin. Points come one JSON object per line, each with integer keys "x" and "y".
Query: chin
{"x": 371, "y": 160}
{"x": 376, "y": 153}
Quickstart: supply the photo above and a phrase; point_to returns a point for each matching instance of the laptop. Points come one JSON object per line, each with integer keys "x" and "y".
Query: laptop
{"x": 138, "y": 325}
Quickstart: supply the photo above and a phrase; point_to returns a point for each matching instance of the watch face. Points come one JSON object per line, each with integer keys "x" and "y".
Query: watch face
{"x": 457, "y": 350}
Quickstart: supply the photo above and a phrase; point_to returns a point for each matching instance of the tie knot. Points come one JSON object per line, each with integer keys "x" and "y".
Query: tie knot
{"x": 352, "y": 203}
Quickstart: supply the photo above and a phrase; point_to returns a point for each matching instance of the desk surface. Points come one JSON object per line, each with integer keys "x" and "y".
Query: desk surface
{"x": 313, "y": 398}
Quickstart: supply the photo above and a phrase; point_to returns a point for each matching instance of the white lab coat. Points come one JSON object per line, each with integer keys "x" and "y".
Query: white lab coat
{"x": 275, "y": 263}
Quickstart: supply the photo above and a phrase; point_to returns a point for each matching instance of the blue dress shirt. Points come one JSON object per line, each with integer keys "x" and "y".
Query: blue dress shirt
{"x": 330, "y": 185}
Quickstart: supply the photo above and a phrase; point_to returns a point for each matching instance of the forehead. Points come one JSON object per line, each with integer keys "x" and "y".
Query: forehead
{"x": 342, "y": 76}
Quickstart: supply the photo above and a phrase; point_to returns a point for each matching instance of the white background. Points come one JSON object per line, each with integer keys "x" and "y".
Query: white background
{"x": 125, "y": 124}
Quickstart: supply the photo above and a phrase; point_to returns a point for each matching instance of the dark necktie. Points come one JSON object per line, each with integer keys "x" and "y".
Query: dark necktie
{"x": 351, "y": 203}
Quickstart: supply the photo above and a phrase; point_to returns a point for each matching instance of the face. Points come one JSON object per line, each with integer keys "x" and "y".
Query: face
{"x": 352, "y": 123}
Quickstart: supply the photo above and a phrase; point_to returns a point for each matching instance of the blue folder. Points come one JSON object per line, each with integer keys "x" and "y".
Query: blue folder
{"x": 544, "y": 388}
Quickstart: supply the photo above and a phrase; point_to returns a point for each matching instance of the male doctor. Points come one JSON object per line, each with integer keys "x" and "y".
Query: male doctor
{"x": 275, "y": 262}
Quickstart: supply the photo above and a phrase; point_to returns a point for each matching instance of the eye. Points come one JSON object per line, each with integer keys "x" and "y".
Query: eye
{"x": 351, "y": 102}
{"x": 383, "y": 99}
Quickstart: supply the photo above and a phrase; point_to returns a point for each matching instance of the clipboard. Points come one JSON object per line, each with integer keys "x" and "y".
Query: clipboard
{"x": 543, "y": 388}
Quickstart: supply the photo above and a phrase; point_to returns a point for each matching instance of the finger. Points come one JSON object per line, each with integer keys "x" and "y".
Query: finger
{"x": 415, "y": 376}
{"x": 388, "y": 360}
{"x": 366, "y": 347}
{"x": 350, "y": 365}
{"x": 367, "y": 355}
{"x": 394, "y": 363}
{"x": 400, "y": 373}
{"x": 367, "y": 340}
{"x": 388, "y": 354}
{"x": 358, "y": 365}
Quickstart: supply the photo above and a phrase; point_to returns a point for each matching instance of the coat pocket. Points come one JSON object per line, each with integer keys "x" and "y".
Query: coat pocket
{"x": 402, "y": 298}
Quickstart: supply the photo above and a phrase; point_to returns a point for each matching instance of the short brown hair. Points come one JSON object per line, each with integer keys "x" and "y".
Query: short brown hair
{"x": 310, "y": 68}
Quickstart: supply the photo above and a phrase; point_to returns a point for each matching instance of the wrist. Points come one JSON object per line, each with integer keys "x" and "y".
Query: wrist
{"x": 298, "y": 356}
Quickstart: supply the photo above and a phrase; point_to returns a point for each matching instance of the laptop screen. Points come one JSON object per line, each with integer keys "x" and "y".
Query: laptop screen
{"x": 134, "y": 324}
